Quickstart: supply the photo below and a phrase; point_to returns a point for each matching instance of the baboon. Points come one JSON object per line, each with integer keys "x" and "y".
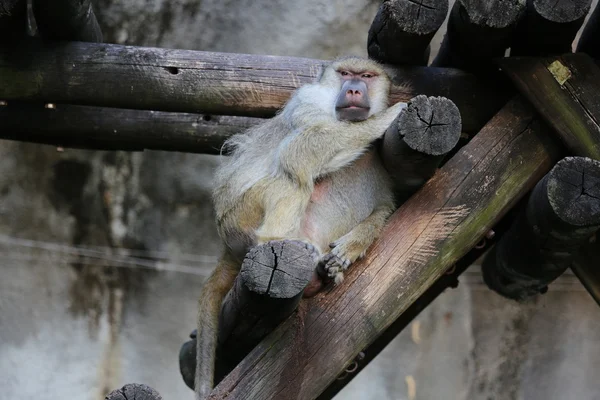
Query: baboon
{"x": 309, "y": 174}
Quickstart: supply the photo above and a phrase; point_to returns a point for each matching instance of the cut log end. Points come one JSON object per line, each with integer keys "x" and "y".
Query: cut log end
{"x": 496, "y": 14}
{"x": 562, "y": 11}
{"x": 279, "y": 269}
{"x": 134, "y": 391}
{"x": 430, "y": 125}
{"x": 574, "y": 191}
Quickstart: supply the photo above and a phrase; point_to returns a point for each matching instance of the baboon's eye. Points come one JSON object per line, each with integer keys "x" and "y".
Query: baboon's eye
{"x": 367, "y": 76}
{"x": 344, "y": 73}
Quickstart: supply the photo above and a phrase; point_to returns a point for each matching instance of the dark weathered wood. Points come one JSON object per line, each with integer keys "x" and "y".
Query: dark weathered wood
{"x": 586, "y": 266}
{"x": 563, "y": 211}
{"x": 67, "y": 20}
{"x": 564, "y": 90}
{"x": 266, "y": 291}
{"x": 402, "y": 29}
{"x": 589, "y": 42}
{"x": 13, "y": 19}
{"x": 549, "y": 27}
{"x": 478, "y": 32}
{"x": 431, "y": 231}
{"x": 210, "y": 83}
{"x": 415, "y": 144}
{"x": 118, "y": 129}
{"x": 134, "y": 391}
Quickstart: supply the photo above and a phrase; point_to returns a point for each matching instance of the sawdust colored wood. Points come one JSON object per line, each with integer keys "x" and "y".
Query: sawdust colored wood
{"x": 562, "y": 213}
{"x": 564, "y": 90}
{"x": 402, "y": 29}
{"x": 104, "y": 128}
{"x": 431, "y": 231}
{"x": 110, "y": 75}
{"x": 417, "y": 141}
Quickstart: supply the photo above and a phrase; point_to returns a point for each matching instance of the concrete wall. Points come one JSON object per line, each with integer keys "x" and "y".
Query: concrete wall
{"x": 80, "y": 316}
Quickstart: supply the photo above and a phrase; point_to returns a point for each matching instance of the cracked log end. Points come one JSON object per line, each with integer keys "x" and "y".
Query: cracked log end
{"x": 574, "y": 191}
{"x": 278, "y": 269}
{"x": 135, "y": 391}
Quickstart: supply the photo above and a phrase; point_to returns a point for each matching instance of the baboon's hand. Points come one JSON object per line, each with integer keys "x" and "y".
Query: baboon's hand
{"x": 344, "y": 252}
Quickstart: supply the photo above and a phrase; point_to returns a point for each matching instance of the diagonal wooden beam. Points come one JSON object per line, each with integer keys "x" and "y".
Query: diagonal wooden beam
{"x": 430, "y": 232}
{"x": 131, "y": 77}
{"x": 564, "y": 90}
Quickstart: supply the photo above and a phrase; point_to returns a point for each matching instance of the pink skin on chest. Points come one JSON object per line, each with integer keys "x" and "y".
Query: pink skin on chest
{"x": 310, "y": 224}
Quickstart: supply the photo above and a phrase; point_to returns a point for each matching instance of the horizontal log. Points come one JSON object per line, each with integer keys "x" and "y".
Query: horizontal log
{"x": 417, "y": 141}
{"x": 130, "y": 77}
{"x": 564, "y": 90}
{"x": 432, "y": 230}
{"x": 562, "y": 212}
{"x": 402, "y": 29}
{"x": 67, "y": 20}
{"x": 102, "y": 128}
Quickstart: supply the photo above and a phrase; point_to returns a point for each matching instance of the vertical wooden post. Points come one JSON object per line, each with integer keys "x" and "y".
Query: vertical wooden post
{"x": 415, "y": 144}
{"x": 402, "y": 30}
{"x": 478, "y": 32}
{"x": 67, "y": 20}
{"x": 563, "y": 211}
{"x": 549, "y": 27}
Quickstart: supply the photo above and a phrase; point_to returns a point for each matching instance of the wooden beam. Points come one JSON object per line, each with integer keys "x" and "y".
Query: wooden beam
{"x": 561, "y": 214}
{"x": 67, "y": 20}
{"x": 564, "y": 90}
{"x": 549, "y": 27}
{"x": 102, "y": 128}
{"x": 478, "y": 32}
{"x": 402, "y": 29}
{"x": 585, "y": 267}
{"x": 417, "y": 141}
{"x": 130, "y": 77}
{"x": 432, "y": 230}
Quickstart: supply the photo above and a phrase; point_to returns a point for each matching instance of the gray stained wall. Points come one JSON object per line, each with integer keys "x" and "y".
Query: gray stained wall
{"x": 80, "y": 315}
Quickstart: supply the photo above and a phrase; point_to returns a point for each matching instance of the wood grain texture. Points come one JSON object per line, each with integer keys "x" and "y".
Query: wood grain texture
{"x": 432, "y": 230}
{"x": 564, "y": 90}
{"x": 402, "y": 29}
{"x": 134, "y": 391}
{"x": 417, "y": 141}
{"x": 103, "y": 128}
{"x": 561, "y": 214}
{"x": 130, "y": 77}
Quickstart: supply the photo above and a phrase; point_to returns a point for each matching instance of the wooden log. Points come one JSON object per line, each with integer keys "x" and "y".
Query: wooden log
{"x": 402, "y": 29}
{"x": 134, "y": 391}
{"x": 67, "y": 20}
{"x": 549, "y": 27}
{"x": 478, "y": 32}
{"x": 415, "y": 144}
{"x": 266, "y": 291}
{"x": 589, "y": 42}
{"x": 102, "y": 128}
{"x": 563, "y": 211}
{"x": 586, "y": 266}
{"x": 13, "y": 19}
{"x": 564, "y": 90}
{"x": 430, "y": 232}
{"x": 111, "y": 75}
